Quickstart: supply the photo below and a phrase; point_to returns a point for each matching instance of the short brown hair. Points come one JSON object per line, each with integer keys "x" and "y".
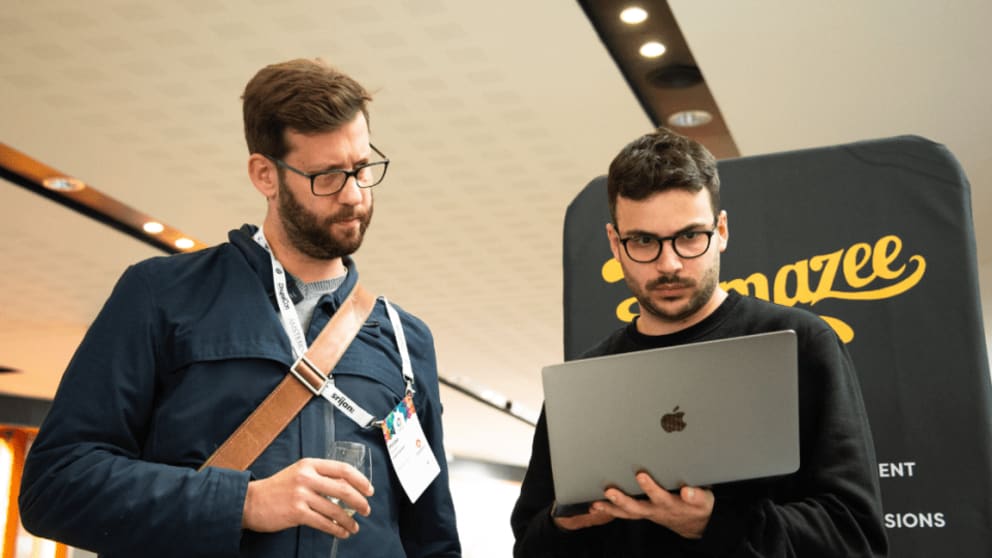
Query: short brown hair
{"x": 659, "y": 161}
{"x": 302, "y": 95}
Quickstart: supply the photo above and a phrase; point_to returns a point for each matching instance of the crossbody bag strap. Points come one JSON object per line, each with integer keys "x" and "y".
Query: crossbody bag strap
{"x": 305, "y": 380}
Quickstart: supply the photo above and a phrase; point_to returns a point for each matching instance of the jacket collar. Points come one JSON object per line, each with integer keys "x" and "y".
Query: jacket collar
{"x": 258, "y": 259}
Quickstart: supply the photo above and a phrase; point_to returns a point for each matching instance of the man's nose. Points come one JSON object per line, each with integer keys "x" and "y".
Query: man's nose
{"x": 350, "y": 193}
{"x": 668, "y": 260}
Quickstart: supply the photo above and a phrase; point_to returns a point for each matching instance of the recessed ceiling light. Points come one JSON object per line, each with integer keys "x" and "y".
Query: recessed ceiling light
{"x": 184, "y": 243}
{"x": 153, "y": 227}
{"x": 633, "y": 14}
{"x": 690, "y": 118}
{"x": 652, "y": 49}
{"x": 63, "y": 184}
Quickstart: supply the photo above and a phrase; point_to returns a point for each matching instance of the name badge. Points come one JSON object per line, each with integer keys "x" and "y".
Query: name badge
{"x": 412, "y": 457}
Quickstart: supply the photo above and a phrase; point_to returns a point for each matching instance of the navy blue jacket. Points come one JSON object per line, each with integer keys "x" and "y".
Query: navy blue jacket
{"x": 184, "y": 349}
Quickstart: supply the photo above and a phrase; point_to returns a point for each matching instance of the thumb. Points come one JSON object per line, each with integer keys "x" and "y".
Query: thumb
{"x": 688, "y": 494}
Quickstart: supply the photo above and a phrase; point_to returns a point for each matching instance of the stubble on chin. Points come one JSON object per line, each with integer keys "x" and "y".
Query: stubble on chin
{"x": 702, "y": 292}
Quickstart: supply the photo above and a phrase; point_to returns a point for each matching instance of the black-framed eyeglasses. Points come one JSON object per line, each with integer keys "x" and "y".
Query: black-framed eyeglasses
{"x": 646, "y": 248}
{"x": 328, "y": 183}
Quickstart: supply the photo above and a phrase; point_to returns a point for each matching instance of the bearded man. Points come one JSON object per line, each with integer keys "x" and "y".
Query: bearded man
{"x": 188, "y": 346}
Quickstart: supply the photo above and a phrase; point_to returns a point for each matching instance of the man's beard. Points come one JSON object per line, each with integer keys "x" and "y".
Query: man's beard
{"x": 312, "y": 235}
{"x": 702, "y": 292}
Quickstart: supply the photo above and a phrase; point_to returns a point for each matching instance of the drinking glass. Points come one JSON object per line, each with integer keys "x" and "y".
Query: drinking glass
{"x": 354, "y": 454}
{"x": 358, "y": 456}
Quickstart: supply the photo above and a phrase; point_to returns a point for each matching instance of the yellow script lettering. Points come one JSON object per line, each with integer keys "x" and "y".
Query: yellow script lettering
{"x": 793, "y": 282}
{"x": 854, "y": 259}
{"x": 755, "y": 285}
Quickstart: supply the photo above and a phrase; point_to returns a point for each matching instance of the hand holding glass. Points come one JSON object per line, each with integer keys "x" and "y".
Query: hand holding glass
{"x": 355, "y": 454}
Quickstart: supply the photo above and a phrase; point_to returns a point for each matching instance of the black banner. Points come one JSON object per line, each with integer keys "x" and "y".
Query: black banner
{"x": 875, "y": 237}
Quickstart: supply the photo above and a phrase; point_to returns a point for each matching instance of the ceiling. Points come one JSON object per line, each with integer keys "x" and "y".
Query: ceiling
{"x": 494, "y": 115}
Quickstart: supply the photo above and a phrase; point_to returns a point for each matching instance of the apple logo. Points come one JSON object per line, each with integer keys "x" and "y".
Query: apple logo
{"x": 673, "y": 422}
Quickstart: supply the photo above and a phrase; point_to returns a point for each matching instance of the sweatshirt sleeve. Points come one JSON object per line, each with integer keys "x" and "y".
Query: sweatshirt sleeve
{"x": 85, "y": 482}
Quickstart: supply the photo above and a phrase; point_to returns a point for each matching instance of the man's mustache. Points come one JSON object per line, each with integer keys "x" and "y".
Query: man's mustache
{"x": 670, "y": 281}
{"x": 346, "y": 215}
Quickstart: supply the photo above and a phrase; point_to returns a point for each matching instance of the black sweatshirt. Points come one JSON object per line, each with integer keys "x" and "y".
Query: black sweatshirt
{"x": 831, "y": 507}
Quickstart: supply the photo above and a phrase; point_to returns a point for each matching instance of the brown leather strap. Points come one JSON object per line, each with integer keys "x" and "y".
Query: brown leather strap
{"x": 300, "y": 384}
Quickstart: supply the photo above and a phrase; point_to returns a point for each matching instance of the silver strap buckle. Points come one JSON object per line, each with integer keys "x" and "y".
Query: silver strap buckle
{"x": 306, "y": 379}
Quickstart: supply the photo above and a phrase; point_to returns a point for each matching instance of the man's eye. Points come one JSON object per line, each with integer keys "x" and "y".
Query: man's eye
{"x": 689, "y": 235}
{"x": 644, "y": 240}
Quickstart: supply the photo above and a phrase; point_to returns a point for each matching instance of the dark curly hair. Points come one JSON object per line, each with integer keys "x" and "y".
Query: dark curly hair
{"x": 660, "y": 161}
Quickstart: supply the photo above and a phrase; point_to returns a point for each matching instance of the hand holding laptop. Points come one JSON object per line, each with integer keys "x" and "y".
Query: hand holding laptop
{"x": 686, "y": 513}
{"x": 592, "y": 518}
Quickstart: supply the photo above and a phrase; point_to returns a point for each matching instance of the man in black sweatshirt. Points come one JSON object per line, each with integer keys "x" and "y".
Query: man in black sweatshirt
{"x": 668, "y": 231}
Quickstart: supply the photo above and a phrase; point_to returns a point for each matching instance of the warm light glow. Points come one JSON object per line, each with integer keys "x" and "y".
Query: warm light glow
{"x": 652, "y": 49}
{"x": 46, "y": 548}
{"x": 633, "y": 15}
{"x": 184, "y": 243}
{"x": 63, "y": 184}
{"x": 6, "y": 470}
{"x": 152, "y": 227}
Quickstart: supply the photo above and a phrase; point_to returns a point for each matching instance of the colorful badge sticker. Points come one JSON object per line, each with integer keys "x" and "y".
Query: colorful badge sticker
{"x": 412, "y": 457}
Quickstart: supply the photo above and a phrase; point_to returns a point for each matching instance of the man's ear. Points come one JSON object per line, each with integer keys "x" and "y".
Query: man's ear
{"x": 614, "y": 237}
{"x": 723, "y": 230}
{"x": 263, "y": 175}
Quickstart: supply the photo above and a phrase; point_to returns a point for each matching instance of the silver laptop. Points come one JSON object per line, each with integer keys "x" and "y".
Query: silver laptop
{"x": 697, "y": 414}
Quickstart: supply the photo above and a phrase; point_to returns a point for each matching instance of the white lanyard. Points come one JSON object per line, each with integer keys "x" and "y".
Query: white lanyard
{"x": 294, "y": 330}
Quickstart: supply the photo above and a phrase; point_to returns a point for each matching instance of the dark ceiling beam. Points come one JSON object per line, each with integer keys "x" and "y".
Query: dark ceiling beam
{"x": 663, "y": 86}
{"x": 23, "y": 170}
